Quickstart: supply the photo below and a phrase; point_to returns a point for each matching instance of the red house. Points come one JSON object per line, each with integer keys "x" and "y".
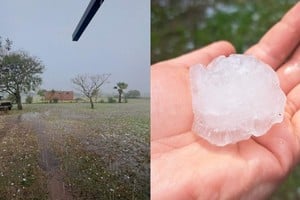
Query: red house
{"x": 59, "y": 95}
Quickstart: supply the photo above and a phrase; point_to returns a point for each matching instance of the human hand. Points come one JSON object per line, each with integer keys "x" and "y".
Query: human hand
{"x": 185, "y": 166}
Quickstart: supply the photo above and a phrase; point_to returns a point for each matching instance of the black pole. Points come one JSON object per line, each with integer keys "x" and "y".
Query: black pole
{"x": 88, "y": 14}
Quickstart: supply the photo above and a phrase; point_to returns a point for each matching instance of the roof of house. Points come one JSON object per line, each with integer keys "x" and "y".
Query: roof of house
{"x": 60, "y": 95}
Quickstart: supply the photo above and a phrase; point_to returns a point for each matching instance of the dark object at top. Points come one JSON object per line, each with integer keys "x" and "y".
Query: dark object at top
{"x": 89, "y": 13}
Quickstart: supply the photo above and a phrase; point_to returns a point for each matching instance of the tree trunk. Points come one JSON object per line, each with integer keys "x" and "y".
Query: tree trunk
{"x": 120, "y": 96}
{"x": 92, "y": 103}
{"x": 18, "y": 100}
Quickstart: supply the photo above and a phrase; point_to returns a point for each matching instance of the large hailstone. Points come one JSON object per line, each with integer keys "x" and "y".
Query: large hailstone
{"x": 234, "y": 98}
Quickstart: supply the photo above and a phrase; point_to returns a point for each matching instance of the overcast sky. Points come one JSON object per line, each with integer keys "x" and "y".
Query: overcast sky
{"x": 117, "y": 40}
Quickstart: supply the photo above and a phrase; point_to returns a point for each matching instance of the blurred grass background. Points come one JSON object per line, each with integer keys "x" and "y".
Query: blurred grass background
{"x": 179, "y": 26}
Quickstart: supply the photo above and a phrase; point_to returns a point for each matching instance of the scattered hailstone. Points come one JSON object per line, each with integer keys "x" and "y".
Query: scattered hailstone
{"x": 234, "y": 98}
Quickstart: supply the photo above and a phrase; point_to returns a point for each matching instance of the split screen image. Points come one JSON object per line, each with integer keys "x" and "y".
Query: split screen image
{"x": 160, "y": 100}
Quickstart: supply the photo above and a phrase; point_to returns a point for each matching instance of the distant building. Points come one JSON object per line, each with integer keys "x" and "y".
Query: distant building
{"x": 59, "y": 95}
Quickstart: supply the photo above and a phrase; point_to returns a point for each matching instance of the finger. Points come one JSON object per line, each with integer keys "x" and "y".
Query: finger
{"x": 173, "y": 75}
{"x": 293, "y": 101}
{"x": 277, "y": 44}
{"x": 296, "y": 122}
{"x": 205, "y": 54}
{"x": 171, "y": 103}
{"x": 289, "y": 73}
{"x": 294, "y": 108}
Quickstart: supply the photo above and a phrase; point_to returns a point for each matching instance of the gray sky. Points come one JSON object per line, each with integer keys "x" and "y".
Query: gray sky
{"x": 117, "y": 40}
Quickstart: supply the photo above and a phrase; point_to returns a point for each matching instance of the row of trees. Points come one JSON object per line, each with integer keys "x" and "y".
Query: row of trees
{"x": 21, "y": 73}
{"x": 131, "y": 94}
{"x": 89, "y": 86}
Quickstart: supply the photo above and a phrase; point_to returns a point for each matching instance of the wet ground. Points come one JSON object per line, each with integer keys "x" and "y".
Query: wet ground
{"x": 47, "y": 161}
{"x": 89, "y": 154}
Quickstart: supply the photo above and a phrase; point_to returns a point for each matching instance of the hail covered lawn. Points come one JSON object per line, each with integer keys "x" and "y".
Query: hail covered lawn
{"x": 75, "y": 152}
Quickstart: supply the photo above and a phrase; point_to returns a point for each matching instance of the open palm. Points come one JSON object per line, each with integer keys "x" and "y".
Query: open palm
{"x": 184, "y": 166}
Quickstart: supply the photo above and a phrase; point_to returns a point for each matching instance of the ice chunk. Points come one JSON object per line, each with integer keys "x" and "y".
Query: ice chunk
{"x": 234, "y": 98}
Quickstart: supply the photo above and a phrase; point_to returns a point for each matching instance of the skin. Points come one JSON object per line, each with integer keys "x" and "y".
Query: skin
{"x": 185, "y": 166}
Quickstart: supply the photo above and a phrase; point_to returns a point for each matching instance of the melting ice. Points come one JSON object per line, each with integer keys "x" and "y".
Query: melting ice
{"x": 234, "y": 98}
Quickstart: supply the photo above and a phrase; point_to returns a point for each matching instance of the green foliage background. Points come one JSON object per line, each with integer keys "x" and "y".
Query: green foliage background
{"x": 179, "y": 26}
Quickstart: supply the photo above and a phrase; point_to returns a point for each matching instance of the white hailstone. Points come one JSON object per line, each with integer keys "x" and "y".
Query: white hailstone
{"x": 234, "y": 98}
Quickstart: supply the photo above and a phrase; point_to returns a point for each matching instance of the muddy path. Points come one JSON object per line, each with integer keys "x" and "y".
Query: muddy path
{"x": 48, "y": 161}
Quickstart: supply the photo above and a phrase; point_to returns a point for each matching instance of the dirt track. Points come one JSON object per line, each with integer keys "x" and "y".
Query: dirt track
{"x": 48, "y": 160}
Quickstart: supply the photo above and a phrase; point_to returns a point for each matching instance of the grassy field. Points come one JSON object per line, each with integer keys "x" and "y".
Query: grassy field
{"x": 69, "y": 150}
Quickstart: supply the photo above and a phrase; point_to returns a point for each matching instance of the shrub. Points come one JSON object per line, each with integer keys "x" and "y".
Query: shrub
{"x": 133, "y": 94}
{"x": 29, "y": 99}
{"x": 111, "y": 100}
{"x": 102, "y": 101}
{"x": 78, "y": 99}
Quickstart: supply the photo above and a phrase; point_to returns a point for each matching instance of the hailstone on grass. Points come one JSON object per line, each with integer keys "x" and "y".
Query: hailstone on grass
{"x": 234, "y": 98}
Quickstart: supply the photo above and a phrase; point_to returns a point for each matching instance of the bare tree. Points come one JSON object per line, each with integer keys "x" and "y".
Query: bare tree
{"x": 89, "y": 85}
{"x": 96, "y": 94}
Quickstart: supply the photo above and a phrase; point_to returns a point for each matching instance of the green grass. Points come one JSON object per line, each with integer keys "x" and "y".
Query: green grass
{"x": 290, "y": 189}
{"x": 109, "y": 157}
{"x": 20, "y": 174}
{"x": 103, "y": 153}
